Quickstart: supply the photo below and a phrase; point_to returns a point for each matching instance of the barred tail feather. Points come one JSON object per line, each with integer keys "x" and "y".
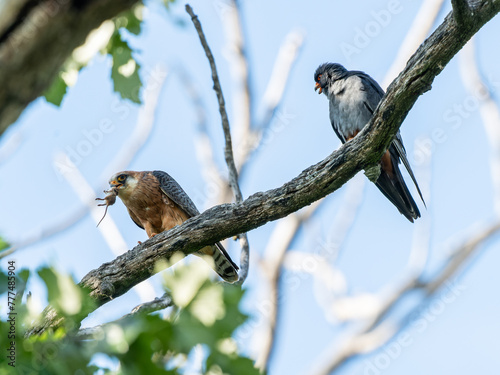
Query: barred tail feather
{"x": 223, "y": 264}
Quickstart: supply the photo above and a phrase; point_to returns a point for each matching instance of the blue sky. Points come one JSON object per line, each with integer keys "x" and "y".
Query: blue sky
{"x": 460, "y": 339}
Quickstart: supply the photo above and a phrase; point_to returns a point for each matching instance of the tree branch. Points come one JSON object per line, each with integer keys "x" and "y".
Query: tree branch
{"x": 228, "y": 150}
{"x": 240, "y": 72}
{"x": 419, "y": 29}
{"x": 159, "y": 303}
{"x": 376, "y": 332}
{"x": 461, "y": 11}
{"x": 281, "y": 239}
{"x": 38, "y": 40}
{"x": 116, "y": 277}
{"x": 489, "y": 111}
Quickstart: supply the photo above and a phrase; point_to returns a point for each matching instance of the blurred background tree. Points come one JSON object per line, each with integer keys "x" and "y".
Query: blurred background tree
{"x": 344, "y": 278}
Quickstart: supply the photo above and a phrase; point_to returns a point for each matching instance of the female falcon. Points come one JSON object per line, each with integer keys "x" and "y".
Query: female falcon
{"x": 156, "y": 202}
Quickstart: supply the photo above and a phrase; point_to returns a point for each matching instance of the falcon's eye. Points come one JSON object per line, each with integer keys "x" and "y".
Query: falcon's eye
{"x": 319, "y": 78}
{"x": 121, "y": 178}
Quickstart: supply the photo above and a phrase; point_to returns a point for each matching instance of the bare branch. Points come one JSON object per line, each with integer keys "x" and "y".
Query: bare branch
{"x": 282, "y": 237}
{"x": 273, "y": 96}
{"x": 228, "y": 150}
{"x": 287, "y": 56}
{"x": 240, "y": 72}
{"x": 461, "y": 11}
{"x": 204, "y": 146}
{"x": 489, "y": 110}
{"x": 159, "y": 303}
{"x": 420, "y": 28}
{"x": 118, "y": 276}
{"x": 377, "y": 331}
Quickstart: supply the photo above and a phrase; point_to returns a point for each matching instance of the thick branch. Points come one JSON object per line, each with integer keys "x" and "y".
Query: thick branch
{"x": 113, "y": 279}
{"x": 461, "y": 11}
{"x": 37, "y": 41}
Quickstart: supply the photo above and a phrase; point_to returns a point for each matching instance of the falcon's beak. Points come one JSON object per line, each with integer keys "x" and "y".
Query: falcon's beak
{"x": 317, "y": 86}
{"x": 114, "y": 184}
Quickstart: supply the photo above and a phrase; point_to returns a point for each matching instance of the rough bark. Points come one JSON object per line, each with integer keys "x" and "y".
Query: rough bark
{"x": 35, "y": 40}
{"x": 113, "y": 279}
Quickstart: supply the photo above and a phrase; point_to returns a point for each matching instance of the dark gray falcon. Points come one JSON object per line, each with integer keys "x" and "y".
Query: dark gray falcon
{"x": 353, "y": 97}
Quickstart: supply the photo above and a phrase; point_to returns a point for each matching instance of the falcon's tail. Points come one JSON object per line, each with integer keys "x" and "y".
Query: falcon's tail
{"x": 395, "y": 189}
{"x": 223, "y": 264}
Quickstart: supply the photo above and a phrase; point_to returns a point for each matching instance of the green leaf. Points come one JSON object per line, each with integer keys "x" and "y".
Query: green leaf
{"x": 134, "y": 19}
{"x": 56, "y": 91}
{"x": 3, "y": 244}
{"x": 125, "y": 70}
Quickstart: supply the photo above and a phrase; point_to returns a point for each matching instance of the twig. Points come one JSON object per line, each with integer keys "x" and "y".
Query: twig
{"x": 228, "y": 150}
{"x": 287, "y": 56}
{"x": 489, "y": 111}
{"x": 203, "y": 144}
{"x": 159, "y": 303}
{"x": 329, "y": 251}
{"x": 240, "y": 71}
{"x": 273, "y": 96}
{"x": 282, "y": 237}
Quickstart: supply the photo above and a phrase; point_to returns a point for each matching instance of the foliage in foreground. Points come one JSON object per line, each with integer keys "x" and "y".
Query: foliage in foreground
{"x": 196, "y": 333}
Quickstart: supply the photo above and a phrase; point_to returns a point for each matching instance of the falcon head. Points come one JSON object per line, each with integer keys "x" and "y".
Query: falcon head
{"x": 124, "y": 181}
{"x": 326, "y": 74}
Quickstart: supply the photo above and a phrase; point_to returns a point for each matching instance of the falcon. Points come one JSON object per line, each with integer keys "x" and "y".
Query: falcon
{"x": 156, "y": 202}
{"x": 353, "y": 97}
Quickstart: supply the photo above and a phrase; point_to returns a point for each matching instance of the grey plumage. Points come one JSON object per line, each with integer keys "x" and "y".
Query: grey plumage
{"x": 173, "y": 190}
{"x": 353, "y": 97}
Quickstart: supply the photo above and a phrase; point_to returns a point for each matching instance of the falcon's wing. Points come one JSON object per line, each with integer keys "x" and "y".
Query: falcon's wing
{"x": 374, "y": 92}
{"x": 134, "y": 218}
{"x": 332, "y": 120}
{"x": 173, "y": 190}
